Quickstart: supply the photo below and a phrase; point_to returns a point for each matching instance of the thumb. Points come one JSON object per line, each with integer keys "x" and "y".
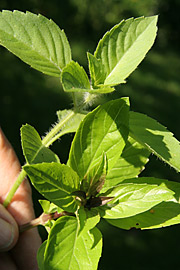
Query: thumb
{"x": 8, "y": 230}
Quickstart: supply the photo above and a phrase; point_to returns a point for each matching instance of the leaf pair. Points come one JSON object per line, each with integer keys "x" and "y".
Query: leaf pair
{"x": 103, "y": 130}
{"x": 121, "y": 50}
{"x": 106, "y": 130}
{"x": 117, "y": 55}
{"x": 40, "y": 43}
{"x": 52, "y": 179}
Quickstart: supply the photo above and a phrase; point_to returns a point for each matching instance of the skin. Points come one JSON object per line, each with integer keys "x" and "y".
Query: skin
{"x": 21, "y": 254}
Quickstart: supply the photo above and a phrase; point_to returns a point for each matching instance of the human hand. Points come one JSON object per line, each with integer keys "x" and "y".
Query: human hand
{"x": 18, "y": 251}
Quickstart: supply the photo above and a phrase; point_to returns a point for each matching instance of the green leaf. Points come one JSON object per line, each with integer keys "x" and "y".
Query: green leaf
{"x": 55, "y": 182}
{"x": 66, "y": 250}
{"x": 96, "y": 72}
{"x": 129, "y": 165}
{"x": 73, "y": 124}
{"x": 49, "y": 207}
{"x": 133, "y": 197}
{"x": 103, "y": 130}
{"x": 102, "y": 89}
{"x": 87, "y": 219}
{"x": 89, "y": 243}
{"x": 36, "y": 40}
{"x": 40, "y": 255}
{"x": 95, "y": 178}
{"x": 156, "y": 138}
{"x": 122, "y": 49}
{"x": 162, "y": 215}
{"x": 75, "y": 79}
{"x": 33, "y": 149}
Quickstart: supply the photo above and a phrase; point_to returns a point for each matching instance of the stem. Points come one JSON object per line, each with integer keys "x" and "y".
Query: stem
{"x": 48, "y": 139}
{"x": 17, "y": 183}
{"x": 51, "y": 137}
{"x": 42, "y": 220}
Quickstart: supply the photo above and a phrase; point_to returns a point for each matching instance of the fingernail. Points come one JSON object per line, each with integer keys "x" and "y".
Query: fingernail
{"x": 6, "y": 235}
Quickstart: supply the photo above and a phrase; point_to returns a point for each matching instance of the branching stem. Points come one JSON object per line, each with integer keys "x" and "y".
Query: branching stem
{"x": 50, "y": 138}
{"x": 42, "y": 220}
{"x": 47, "y": 141}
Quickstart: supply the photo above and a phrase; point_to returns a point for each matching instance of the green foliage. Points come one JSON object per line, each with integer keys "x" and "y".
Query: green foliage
{"x": 162, "y": 215}
{"x": 110, "y": 148}
{"x": 56, "y": 182}
{"x": 121, "y": 50}
{"x": 36, "y": 40}
{"x": 40, "y": 255}
{"x": 87, "y": 219}
{"x": 129, "y": 164}
{"x": 156, "y": 138}
{"x": 49, "y": 208}
{"x": 33, "y": 149}
{"x": 72, "y": 251}
{"x": 132, "y": 198}
{"x": 103, "y": 130}
{"x": 75, "y": 79}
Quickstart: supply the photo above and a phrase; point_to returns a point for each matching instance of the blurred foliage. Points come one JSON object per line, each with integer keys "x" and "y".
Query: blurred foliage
{"x": 27, "y": 96}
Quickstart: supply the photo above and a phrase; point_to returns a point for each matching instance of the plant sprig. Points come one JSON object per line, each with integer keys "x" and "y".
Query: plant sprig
{"x": 110, "y": 148}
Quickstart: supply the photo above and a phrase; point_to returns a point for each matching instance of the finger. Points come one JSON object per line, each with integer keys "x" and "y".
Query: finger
{"x": 8, "y": 230}
{"x": 6, "y": 262}
{"x": 9, "y": 166}
{"x": 21, "y": 206}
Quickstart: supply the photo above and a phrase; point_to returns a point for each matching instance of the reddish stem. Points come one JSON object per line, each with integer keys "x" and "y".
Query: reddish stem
{"x": 42, "y": 220}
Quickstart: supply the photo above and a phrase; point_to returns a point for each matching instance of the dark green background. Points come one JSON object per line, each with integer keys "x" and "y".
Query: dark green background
{"x": 27, "y": 96}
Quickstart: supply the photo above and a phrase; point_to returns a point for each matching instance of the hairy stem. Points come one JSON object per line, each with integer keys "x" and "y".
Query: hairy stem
{"x": 50, "y": 138}
{"x": 47, "y": 141}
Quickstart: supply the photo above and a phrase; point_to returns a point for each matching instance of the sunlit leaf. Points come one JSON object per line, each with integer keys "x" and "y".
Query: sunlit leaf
{"x": 56, "y": 182}
{"x": 121, "y": 50}
{"x": 130, "y": 164}
{"x": 162, "y": 215}
{"x": 67, "y": 250}
{"x": 36, "y": 40}
{"x": 75, "y": 79}
{"x": 33, "y": 149}
{"x": 132, "y": 197}
{"x": 156, "y": 138}
{"x": 87, "y": 219}
{"x": 40, "y": 255}
{"x": 95, "y": 178}
{"x": 49, "y": 207}
{"x": 103, "y": 130}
